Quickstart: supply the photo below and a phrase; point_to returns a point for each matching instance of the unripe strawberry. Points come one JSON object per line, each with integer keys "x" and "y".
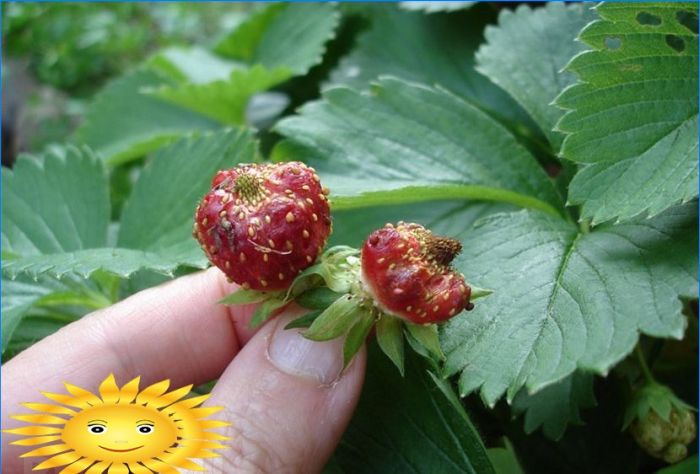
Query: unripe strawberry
{"x": 665, "y": 439}
{"x": 406, "y": 270}
{"x": 262, "y": 224}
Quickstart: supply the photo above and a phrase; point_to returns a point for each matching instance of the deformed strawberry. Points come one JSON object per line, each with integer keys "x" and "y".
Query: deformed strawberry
{"x": 406, "y": 270}
{"x": 262, "y": 224}
{"x": 402, "y": 284}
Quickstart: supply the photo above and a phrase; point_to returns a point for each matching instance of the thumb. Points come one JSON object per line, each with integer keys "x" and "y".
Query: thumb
{"x": 287, "y": 399}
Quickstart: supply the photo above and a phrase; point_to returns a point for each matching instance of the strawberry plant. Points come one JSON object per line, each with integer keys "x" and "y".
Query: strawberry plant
{"x": 553, "y": 146}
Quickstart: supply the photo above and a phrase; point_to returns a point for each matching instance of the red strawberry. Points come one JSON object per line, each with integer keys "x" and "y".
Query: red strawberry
{"x": 263, "y": 224}
{"x": 406, "y": 269}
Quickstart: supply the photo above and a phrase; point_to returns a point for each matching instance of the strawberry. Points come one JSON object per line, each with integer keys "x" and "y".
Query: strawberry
{"x": 262, "y": 224}
{"x": 406, "y": 270}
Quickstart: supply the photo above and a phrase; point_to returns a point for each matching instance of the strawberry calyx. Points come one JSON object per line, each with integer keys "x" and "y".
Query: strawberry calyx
{"x": 344, "y": 303}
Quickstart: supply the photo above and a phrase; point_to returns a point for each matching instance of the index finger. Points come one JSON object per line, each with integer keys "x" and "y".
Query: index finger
{"x": 176, "y": 331}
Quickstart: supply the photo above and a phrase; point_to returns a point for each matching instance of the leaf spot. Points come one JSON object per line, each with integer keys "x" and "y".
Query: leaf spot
{"x": 688, "y": 19}
{"x": 613, "y": 43}
{"x": 675, "y": 42}
{"x": 646, "y": 18}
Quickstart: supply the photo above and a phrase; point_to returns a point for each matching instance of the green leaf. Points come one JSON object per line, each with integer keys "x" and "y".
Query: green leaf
{"x": 356, "y": 336}
{"x": 288, "y": 35}
{"x": 390, "y": 339}
{"x": 504, "y": 459}
{"x": 32, "y": 329}
{"x": 431, "y": 50}
{"x": 18, "y": 296}
{"x": 351, "y": 227}
{"x": 304, "y": 321}
{"x": 526, "y": 52}
{"x": 66, "y": 232}
{"x": 224, "y": 100}
{"x": 194, "y": 64}
{"x": 633, "y": 115}
{"x": 318, "y": 298}
{"x": 406, "y": 424}
{"x": 122, "y": 123}
{"x": 336, "y": 320}
{"x": 557, "y": 405}
{"x": 118, "y": 261}
{"x": 432, "y": 7}
{"x": 565, "y": 300}
{"x": 265, "y": 310}
{"x": 408, "y": 143}
{"x": 57, "y": 202}
{"x": 243, "y": 296}
{"x": 687, "y": 466}
{"x": 656, "y": 397}
{"x": 427, "y": 336}
{"x": 159, "y": 214}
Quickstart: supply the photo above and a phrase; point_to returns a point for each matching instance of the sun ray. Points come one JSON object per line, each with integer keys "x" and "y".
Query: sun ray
{"x": 207, "y": 424}
{"x": 213, "y": 436}
{"x": 67, "y": 400}
{"x": 152, "y": 391}
{"x": 59, "y": 460}
{"x": 118, "y": 468}
{"x": 171, "y": 397}
{"x": 34, "y": 430}
{"x": 192, "y": 401}
{"x": 129, "y": 391}
{"x": 40, "y": 419}
{"x": 83, "y": 394}
{"x": 192, "y": 466}
{"x": 121, "y": 431}
{"x": 48, "y": 408}
{"x": 204, "y": 412}
{"x": 160, "y": 467}
{"x": 78, "y": 466}
{"x": 36, "y": 440}
{"x": 204, "y": 453}
{"x": 109, "y": 390}
{"x": 139, "y": 469}
{"x": 98, "y": 467}
{"x": 47, "y": 450}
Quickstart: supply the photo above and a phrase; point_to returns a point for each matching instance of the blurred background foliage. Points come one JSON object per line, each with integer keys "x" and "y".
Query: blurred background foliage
{"x": 57, "y": 56}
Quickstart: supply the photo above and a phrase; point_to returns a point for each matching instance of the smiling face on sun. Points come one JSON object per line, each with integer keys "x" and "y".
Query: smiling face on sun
{"x": 120, "y": 430}
{"x": 120, "y": 433}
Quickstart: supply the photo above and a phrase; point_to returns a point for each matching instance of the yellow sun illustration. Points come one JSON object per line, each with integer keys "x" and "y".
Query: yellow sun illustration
{"x": 122, "y": 430}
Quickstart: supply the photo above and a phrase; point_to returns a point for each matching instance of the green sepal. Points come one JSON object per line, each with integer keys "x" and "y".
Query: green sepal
{"x": 357, "y": 334}
{"x": 478, "y": 292}
{"x": 656, "y": 397}
{"x": 248, "y": 296}
{"x": 427, "y": 336}
{"x": 337, "y": 268}
{"x": 336, "y": 320}
{"x": 304, "y": 321}
{"x": 318, "y": 298}
{"x": 390, "y": 339}
{"x": 264, "y": 311}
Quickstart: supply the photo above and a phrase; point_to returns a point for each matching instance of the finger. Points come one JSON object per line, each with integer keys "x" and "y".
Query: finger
{"x": 287, "y": 401}
{"x": 175, "y": 331}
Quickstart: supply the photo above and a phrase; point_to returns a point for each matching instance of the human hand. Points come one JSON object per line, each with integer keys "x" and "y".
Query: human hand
{"x": 285, "y": 396}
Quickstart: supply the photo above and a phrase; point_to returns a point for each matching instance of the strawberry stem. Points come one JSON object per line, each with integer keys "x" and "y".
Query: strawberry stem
{"x": 646, "y": 371}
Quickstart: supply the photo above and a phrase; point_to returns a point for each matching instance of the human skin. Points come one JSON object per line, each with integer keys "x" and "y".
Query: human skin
{"x": 287, "y": 398}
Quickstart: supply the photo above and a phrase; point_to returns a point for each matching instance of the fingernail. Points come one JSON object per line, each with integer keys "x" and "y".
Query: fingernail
{"x": 292, "y": 353}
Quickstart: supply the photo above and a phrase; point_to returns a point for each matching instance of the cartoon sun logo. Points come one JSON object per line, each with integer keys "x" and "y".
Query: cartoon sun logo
{"x": 122, "y": 430}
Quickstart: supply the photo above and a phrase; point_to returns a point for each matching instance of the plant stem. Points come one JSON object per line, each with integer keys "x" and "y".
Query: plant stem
{"x": 643, "y": 365}
{"x": 585, "y": 226}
